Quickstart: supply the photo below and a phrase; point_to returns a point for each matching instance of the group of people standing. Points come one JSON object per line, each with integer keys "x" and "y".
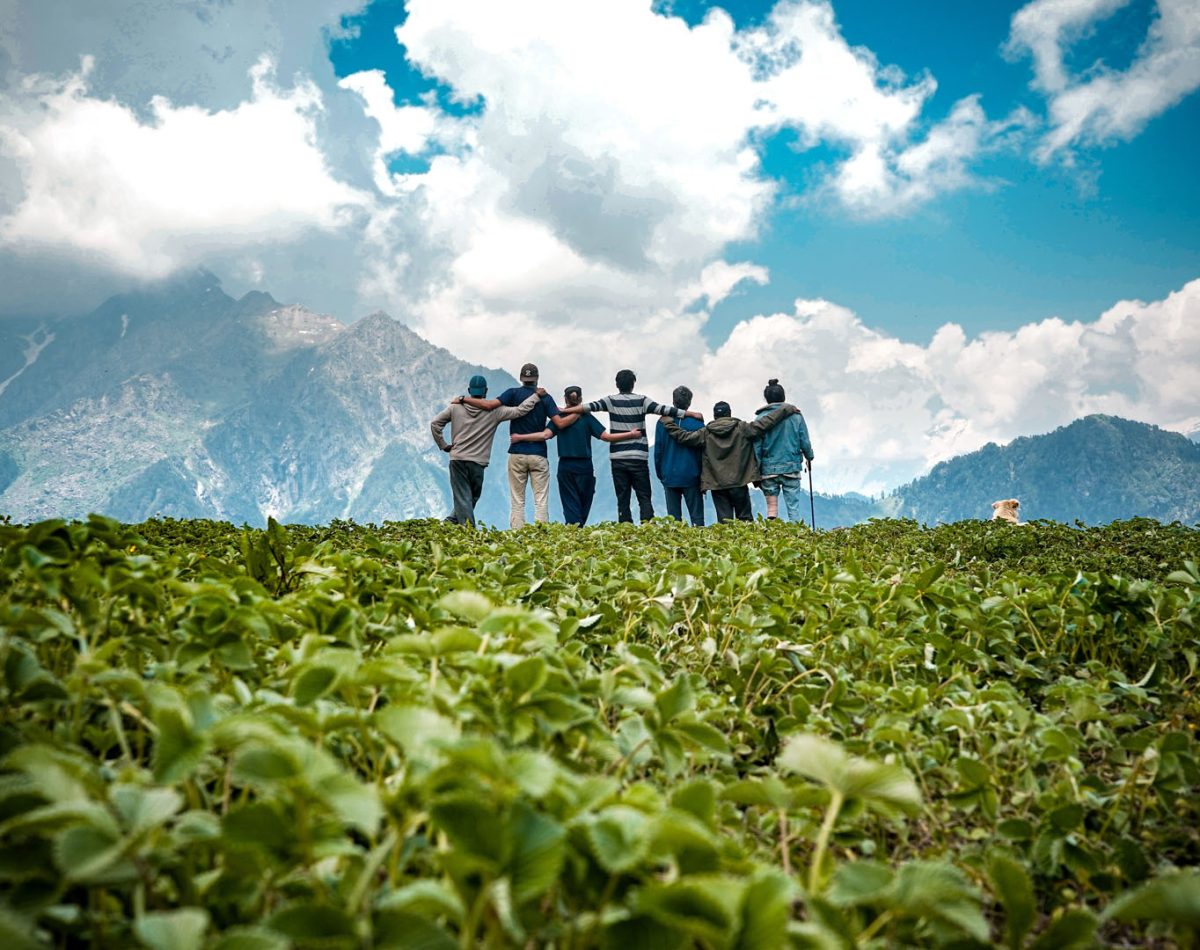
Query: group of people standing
{"x": 723, "y": 457}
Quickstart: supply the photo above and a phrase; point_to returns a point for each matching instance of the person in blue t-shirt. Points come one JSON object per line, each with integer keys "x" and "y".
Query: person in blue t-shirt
{"x": 527, "y": 462}
{"x": 576, "y": 477}
{"x": 678, "y": 466}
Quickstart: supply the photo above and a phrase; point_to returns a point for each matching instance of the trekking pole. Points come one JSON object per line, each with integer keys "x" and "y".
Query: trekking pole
{"x": 812, "y": 507}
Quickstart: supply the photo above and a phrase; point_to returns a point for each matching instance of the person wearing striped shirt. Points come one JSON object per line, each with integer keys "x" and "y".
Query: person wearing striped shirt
{"x": 630, "y": 459}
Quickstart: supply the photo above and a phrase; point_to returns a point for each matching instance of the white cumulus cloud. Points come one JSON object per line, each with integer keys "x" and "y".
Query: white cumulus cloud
{"x": 149, "y": 195}
{"x": 1099, "y": 104}
{"x": 883, "y": 410}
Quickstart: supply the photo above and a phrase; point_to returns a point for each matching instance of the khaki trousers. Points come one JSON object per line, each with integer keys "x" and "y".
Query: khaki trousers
{"x": 522, "y": 469}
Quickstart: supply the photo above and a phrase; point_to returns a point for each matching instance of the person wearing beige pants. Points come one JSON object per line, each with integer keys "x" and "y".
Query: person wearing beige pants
{"x": 527, "y": 461}
{"x": 536, "y": 470}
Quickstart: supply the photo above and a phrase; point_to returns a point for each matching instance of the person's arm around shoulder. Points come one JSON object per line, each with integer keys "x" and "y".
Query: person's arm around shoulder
{"x": 515, "y": 412}
{"x": 438, "y": 426}
{"x": 770, "y": 419}
{"x": 695, "y": 437}
{"x": 607, "y": 436}
{"x": 673, "y": 411}
{"x": 480, "y": 403}
{"x": 544, "y": 436}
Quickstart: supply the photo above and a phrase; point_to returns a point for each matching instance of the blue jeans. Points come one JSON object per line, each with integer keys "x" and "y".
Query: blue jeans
{"x": 695, "y": 503}
{"x": 792, "y": 489}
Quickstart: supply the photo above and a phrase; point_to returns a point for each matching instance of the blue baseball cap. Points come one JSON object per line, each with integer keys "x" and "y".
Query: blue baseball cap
{"x": 477, "y": 386}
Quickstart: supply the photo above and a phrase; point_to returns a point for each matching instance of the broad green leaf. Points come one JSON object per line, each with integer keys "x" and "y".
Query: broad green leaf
{"x": 86, "y": 853}
{"x": 939, "y": 891}
{"x": 310, "y": 922}
{"x": 538, "y": 848}
{"x": 403, "y": 930}
{"x": 417, "y": 730}
{"x": 251, "y": 938}
{"x": 468, "y": 604}
{"x": 144, "y": 808}
{"x": 675, "y": 700}
{"x": 617, "y": 837}
{"x": 179, "y": 749}
{"x": 703, "y": 735}
{"x": 454, "y": 640}
{"x": 859, "y": 882}
{"x": 827, "y": 763}
{"x": 17, "y": 931}
{"x": 1073, "y": 929}
{"x": 426, "y": 898}
{"x": 526, "y": 677}
{"x": 57, "y": 775}
{"x": 765, "y": 911}
{"x": 265, "y": 765}
{"x": 313, "y": 683}
{"x": 534, "y": 772}
{"x": 1012, "y": 886}
{"x": 1173, "y": 898}
{"x": 705, "y": 906}
{"x": 697, "y": 797}
{"x": 471, "y": 825}
{"x": 173, "y": 930}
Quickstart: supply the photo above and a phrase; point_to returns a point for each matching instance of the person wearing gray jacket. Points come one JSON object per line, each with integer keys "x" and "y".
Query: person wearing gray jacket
{"x": 472, "y": 430}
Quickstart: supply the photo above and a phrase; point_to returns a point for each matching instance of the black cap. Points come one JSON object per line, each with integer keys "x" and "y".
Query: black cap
{"x": 529, "y": 371}
{"x": 722, "y": 411}
{"x": 573, "y": 389}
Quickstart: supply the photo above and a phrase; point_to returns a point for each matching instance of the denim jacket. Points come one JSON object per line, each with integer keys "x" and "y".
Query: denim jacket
{"x": 783, "y": 449}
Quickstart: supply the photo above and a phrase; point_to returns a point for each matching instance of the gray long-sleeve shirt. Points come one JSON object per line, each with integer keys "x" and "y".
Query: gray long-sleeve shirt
{"x": 472, "y": 429}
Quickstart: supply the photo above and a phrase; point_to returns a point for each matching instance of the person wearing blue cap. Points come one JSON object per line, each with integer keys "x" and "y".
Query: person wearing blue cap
{"x": 472, "y": 430}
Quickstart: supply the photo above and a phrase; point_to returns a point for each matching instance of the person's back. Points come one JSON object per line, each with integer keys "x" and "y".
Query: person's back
{"x": 471, "y": 432}
{"x": 678, "y": 466}
{"x": 782, "y": 453}
{"x": 729, "y": 461}
{"x": 630, "y": 459}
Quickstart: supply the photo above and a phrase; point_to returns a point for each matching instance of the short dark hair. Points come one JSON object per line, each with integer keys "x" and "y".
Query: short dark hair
{"x": 625, "y": 381}
{"x": 773, "y": 391}
{"x": 682, "y": 397}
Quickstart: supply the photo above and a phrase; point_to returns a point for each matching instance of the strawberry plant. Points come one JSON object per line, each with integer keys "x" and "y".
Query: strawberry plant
{"x": 418, "y": 735}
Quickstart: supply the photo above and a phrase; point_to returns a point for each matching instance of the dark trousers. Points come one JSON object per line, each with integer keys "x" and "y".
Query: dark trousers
{"x": 466, "y": 485}
{"x": 695, "y": 503}
{"x": 632, "y": 475}
{"x": 576, "y": 488}
{"x": 732, "y": 503}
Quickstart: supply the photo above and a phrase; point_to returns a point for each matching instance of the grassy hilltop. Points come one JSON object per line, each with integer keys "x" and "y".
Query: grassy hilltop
{"x": 751, "y": 735}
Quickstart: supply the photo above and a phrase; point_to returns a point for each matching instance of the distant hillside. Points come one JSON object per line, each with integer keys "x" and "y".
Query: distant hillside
{"x": 1095, "y": 470}
{"x": 181, "y": 400}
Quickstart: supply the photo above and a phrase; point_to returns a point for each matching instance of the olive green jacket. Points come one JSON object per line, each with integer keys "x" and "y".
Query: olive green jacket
{"x": 728, "y": 444}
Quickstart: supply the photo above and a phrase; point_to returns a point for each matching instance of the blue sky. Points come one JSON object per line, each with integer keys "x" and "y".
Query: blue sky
{"x": 940, "y": 223}
{"x": 1028, "y": 241}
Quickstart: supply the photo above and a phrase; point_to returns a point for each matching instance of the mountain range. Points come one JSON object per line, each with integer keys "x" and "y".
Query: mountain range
{"x": 179, "y": 400}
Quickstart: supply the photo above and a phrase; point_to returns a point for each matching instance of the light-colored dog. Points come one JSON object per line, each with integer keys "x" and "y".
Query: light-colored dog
{"x": 1006, "y": 510}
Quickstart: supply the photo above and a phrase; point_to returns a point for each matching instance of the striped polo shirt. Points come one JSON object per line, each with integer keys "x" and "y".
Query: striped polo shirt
{"x": 628, "y": 411}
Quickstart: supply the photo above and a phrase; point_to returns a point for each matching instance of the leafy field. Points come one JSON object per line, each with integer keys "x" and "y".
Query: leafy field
{"x": 419, "y": 736}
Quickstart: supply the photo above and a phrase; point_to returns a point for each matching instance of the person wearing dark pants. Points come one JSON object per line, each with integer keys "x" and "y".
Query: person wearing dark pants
{"x": 576, "y": 477}
{"x": 576, "y": 488}
{"x": 630, "y": 459}
{"x": 732, "y": 503}
{"x": 678, "y": 466}
{"x": 632, "y": 476}
{"x": 466, "y": 485}
{"x": 472, "y": 430}
{"x": 729, "y": 462}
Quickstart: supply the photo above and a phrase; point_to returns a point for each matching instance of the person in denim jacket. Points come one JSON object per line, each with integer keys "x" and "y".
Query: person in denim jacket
{"x": 782, "y": 453}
